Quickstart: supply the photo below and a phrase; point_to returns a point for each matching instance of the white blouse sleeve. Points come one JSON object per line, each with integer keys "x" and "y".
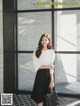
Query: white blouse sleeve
{"x": 52, "y": 60}
{"x": 36, "y": 62}
{"x": 52, "y": 56}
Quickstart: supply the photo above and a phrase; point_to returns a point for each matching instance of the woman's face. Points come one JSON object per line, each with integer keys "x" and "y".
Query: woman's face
{"x": 44, "y": 41}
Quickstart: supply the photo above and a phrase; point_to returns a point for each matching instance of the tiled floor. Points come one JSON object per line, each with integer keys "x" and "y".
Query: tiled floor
{"x": 25, "y": 100}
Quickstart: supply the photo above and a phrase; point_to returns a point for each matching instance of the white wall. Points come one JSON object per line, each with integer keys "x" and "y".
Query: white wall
{"x": 1, "y": 48}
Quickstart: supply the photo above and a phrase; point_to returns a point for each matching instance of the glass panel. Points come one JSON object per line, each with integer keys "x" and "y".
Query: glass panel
{"x": 30, "y": 27}
{"x": 66, "y": 3}
{"x": 26, "y": 73}
{"x": 67, "y": 74}
{"x": 67, "y": 33}
{"x": 32, "y": 4}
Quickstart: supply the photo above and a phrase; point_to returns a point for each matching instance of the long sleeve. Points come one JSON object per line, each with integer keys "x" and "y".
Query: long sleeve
{"x": 36, "y": 62}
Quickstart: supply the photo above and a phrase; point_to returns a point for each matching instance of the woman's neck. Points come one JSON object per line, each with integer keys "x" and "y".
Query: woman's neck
{"x": 45, "y": 48}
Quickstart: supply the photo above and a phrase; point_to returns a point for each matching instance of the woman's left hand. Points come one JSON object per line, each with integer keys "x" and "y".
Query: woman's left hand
{"x": 51, "y": 85}
{"x": 51, "y": 66}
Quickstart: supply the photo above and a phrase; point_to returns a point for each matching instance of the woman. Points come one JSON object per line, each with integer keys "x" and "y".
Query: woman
{"x": 43, "y": 59}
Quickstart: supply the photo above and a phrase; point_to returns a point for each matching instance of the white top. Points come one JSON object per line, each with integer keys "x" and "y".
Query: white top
{"x": 47, "y": 57}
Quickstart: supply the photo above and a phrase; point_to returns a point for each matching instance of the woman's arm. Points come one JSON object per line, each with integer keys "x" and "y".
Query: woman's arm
{"x": 51, "y": 75}
{"x": 51, "y": 85}
{"x": 46, "y": 66}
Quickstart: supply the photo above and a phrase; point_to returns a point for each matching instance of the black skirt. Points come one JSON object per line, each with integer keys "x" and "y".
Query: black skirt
{"x": 41, "y": 85}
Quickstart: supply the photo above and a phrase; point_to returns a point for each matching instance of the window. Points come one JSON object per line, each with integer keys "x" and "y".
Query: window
{"x": 32, "y": 22}
{"x": 66, "y": 3}
{"x": 62, "y": 22}
{"x": 30, "y": 27}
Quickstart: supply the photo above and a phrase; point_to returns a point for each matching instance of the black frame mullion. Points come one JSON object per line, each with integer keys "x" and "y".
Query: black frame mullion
{"x": 23, "y": 51}
{"x": 54, "y": 9}
{"x": 64, "y": 9}
{"x": 23, "y": 11}
{"x": 8, "y": 47}
{"x": 68, "y": 52}
{"x": 16, "y": 49}
{"x": 53, "y": 35}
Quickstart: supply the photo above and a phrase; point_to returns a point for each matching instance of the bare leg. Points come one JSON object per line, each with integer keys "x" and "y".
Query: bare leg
{"x": 40, "y": 104}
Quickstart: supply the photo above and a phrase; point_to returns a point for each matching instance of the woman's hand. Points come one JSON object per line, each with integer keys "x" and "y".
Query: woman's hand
{"x": 51, "y": 85}
{"x": 51, "y": 66}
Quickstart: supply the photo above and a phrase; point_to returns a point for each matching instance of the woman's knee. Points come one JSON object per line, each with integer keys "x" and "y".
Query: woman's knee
{"x": 40, "y": 104}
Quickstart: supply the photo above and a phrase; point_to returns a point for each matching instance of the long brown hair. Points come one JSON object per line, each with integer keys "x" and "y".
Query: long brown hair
{"x": 40, "y": 46}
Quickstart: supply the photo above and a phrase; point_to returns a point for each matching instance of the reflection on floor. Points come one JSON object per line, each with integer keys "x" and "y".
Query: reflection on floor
{"x": 25, "y": 100}
{"x": 73, "y": 88}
